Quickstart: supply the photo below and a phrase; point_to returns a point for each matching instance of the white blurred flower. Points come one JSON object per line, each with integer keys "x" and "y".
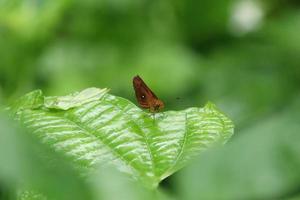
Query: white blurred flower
{"x": 246, "y": 16}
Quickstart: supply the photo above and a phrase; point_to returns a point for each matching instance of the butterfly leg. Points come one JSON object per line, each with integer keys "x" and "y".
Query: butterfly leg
{"x": 153, "y": 116}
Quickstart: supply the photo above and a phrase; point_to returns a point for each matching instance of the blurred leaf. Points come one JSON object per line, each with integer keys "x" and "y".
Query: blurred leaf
{"x": 203, "y": 21}
{"x": 282, "y": 32}
{"x": 109, "y": 184}
{"x": 26, "y": 163}
{"x": 260, "y": 86}
{"x": 112, "y": 130}
{"x": 31, "y": 19}
{"x": 262, "y": 163}
{"x": 168, "y": 67}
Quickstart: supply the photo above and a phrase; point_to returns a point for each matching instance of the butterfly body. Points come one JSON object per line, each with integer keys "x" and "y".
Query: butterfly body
{"x": 145, "y": 97}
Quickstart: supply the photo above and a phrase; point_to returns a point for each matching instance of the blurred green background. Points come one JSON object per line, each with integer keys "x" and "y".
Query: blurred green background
{"x": 242, "y": 55}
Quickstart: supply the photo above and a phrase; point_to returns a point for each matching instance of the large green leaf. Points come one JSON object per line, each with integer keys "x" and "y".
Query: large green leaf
{"x": 94, "y": 127}
{"x": 31, "y": 170}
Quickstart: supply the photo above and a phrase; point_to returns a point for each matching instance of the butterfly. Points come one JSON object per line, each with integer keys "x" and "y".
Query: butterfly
{"x": 145, "y": 97}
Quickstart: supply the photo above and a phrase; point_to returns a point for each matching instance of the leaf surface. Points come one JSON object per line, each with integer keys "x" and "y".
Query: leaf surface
{"x": 93, "y": 127}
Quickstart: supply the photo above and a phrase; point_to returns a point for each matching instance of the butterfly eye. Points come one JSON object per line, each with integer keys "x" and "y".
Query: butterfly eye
{"x": 143, "y": 96}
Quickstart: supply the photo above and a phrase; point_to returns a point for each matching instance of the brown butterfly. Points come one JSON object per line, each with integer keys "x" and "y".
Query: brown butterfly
{"x": 145, "y": 97}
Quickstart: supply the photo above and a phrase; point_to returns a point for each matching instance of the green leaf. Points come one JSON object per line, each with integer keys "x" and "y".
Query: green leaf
{"x": 75, "y": 99}
{"x": 27, "y": 163}
{"x": 31, "y": 170}
{"x": 94, "y": 127}
{"x": 31, "y": 100}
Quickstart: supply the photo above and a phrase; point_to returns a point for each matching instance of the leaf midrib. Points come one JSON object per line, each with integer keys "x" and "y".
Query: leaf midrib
{"x": 92, "y": 133}
{"x": 141, "y": 130}
{"x": 180, "y": 152}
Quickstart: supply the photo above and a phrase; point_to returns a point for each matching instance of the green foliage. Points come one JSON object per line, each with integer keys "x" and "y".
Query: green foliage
{"x": 194, "y": 50}
{"x": 263, "y": 163}
{"x": 25, "y": 163}
{"x": 89, "y": 43}
{"x": 31, "y": 170}
{"x": 93, "y": 127}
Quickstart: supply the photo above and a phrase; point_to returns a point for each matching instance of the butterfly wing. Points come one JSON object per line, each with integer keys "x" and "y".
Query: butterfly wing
{"x": 143, "y": 93}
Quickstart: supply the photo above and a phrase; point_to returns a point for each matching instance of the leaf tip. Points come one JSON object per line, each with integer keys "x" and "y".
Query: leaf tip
{"x": 30, "y": 100}
{"x": 211, "y": 106}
